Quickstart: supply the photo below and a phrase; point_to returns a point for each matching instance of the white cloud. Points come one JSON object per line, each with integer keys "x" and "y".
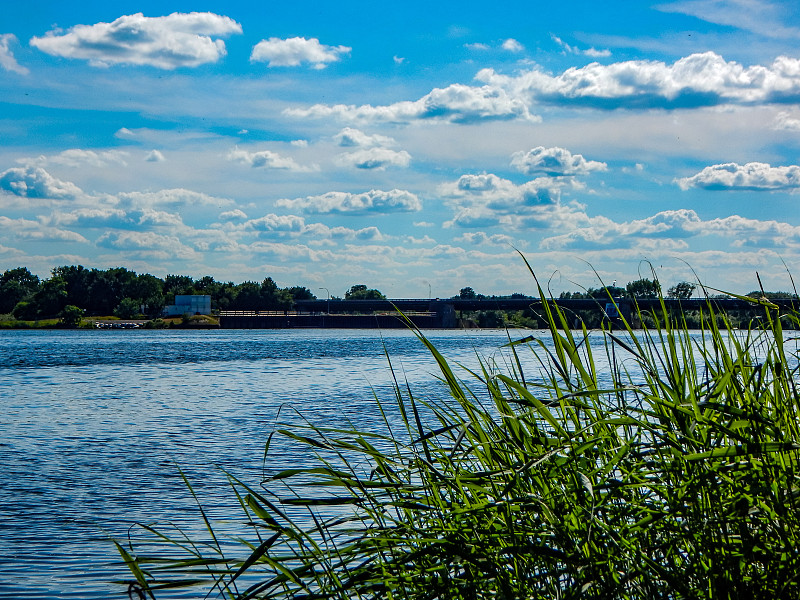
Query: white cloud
{"x": 479, "y": 238}
{"x": 512, "y": 45}
{"x": 486, "y": 200}
{"x": 146, "y": 244}
{"x": 751, "y": 176}
{"x": 456, "y": 103}
{"x": 350, "y": 138}
{"x": 154, "y": 156}
{"x": 177, "y": 40}
{"x": 373, "y": 201}
{"x": 759, "y": 16}
{"x": 398, "y": 60}
{"x": 233, "y": 215}
{"x": 295, "y": 51}
{"x": 276, "y": 223}
{"x": 77, "y": 157}
{"x": 477, "y": 46}
{"x": 92, "y": 217}
{"x": 35, "y": 182}
{"x": 377, "y": 159}
{"x": 320, "y": 230}
{"x": 697, "y": 80}
{"x": 591, "y": 52}
{"x": 266, "y": 159}
{"x": 554, "y": 161}
{"x": 7, "y": 60}
{"x": 34, "y": 230}
{"x": 169, "y": 198}
{"x": 786, "y": 121}
{"x": 674, "y": 226}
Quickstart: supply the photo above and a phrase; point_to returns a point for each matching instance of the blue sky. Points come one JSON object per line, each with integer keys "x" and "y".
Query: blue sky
{"x": 411, "y": 147}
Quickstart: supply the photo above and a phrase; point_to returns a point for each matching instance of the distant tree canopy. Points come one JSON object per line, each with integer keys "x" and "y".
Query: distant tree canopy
{"x": 126, "y": 294}
{"x": 16, "y": 285}
{"x": 682, "y": 289}
{"x": 361, "y": 292}
{"x": 643, "y": 288}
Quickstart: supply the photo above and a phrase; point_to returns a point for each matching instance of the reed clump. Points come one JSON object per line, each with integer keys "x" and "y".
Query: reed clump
{"x": 672, "y": 473}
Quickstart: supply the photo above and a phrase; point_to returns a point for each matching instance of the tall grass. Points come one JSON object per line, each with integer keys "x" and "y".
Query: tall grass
{"x": 676, "y": 476}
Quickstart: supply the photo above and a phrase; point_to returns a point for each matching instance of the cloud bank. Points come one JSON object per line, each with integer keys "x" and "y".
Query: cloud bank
{"x": 177, "y": 40}
{"x": 699, "y": 80}
{"x": 373, "y": 201}
{"x": 753, "y": 176}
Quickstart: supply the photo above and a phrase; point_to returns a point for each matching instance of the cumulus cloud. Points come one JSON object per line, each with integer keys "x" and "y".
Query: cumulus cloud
{"x": 377, "y": 159}
{"x": 154, "y": 156}
{"x": 7, "y": 60}
{"x": 554, "y": 161}
{"x": 35, "y": 230}
{"x": 266, "y": 159}
{"x": 352, "y": 138}
{"x": 373, "y": 201}
{"x": 35, "y": 182}
{"x": 276, "y": 223}
{"x": 674, "y": 226}
{"x": 93, "y": 218}
{"x": 512, "y": 45}
{"x": 754, "y": 176}
{"x": 177, "y": 40}
{"x": 479, "y": 238}
{"x": 233, "y": 215}
{"x": 486, "y": 200}
{"x": 295, "y": 51}
{"x": 146, "y": 244}
{"x": 321, "y": 230}
{"x": 704, "y": 79}
{"x": 456, "y": 103}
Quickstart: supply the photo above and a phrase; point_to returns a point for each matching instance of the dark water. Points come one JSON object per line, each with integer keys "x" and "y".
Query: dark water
{"x": 94, "y": 425}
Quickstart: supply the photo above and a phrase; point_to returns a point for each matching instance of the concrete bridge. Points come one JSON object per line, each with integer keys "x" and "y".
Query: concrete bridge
{"x": 443, "y": 313}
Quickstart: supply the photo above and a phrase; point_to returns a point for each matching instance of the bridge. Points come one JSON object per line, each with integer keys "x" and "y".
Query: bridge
{"x": 443, "y": 313}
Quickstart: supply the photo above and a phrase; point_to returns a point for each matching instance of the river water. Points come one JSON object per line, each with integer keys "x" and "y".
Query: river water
{"x": 95, "y": 425}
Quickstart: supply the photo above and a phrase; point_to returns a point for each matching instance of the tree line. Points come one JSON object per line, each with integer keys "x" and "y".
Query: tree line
{"x": 75, "y": 291}
{"x": 127, "y": 294}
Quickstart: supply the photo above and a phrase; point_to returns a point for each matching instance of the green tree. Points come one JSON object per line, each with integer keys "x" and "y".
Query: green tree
{"x": 467, "y": 293}
{"x": 361, "y": 292}
{"x": 50, "y": 298}
{"x": 301, "y": 293}
{"x": 683, "y": 289}
{"x": 71, "y": 315}
{"x": 128, "y": 308}
{"x": 15, "y": 286}
{"x": 643, "y": 288}
{"x": 178, "y": 285}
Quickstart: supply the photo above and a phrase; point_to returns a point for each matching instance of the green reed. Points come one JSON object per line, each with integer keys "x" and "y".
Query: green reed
{"x": 674, "y": 477}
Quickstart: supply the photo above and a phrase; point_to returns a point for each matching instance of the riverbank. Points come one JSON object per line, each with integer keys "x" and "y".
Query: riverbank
{"x": 111, "y": 322}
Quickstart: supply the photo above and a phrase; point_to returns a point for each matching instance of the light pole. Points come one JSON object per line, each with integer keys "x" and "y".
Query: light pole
{"x": 329, "y": 299}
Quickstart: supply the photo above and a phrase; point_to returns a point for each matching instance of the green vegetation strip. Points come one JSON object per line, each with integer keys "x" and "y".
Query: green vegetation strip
{"x": 675, "y": 478}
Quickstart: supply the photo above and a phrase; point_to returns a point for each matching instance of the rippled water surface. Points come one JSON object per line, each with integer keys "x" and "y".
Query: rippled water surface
{"x": 94, "y": 425}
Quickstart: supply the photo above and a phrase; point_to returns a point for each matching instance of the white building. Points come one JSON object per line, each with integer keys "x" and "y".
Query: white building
{"x": 192, "y": 305}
